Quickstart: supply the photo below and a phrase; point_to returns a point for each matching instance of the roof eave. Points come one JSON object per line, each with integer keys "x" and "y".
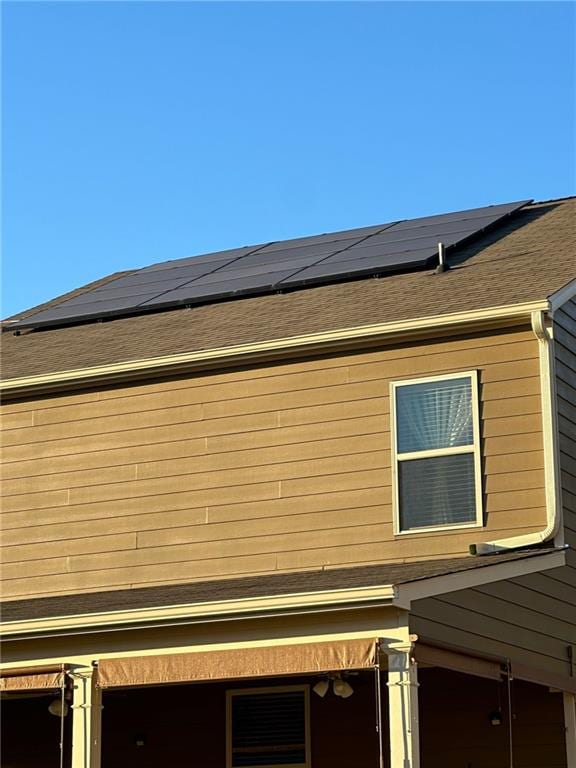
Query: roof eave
{"x": 201, "y": 612}
{"x": 420, "y": 589}
{"x": 399, "y": 595}
{"x": 344, "y": 338}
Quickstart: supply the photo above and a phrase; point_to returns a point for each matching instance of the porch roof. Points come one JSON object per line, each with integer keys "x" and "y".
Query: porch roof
{"x": 387, "y": 574}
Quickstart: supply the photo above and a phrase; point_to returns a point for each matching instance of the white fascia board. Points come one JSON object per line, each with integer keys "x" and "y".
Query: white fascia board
{"x": 474, "y": 577}
{"x": 274, "y": 348}
{"x": 564, "y": 294}
{"x": 199, "y": 612}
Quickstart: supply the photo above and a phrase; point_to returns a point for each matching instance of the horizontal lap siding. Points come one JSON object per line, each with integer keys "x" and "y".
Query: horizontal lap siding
{"x": 530, "y": 620}
{"x": 564, "y": 582}
{"x": 270, "y": 468}
{"x": 565, "y": 344}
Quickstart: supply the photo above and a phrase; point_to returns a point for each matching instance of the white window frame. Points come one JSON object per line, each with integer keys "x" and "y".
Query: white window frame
{"x": 474, "y": 448}
{"x": 269, "y": 689}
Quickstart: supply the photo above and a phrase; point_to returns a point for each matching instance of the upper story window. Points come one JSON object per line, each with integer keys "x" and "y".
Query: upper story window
{"x": 268, "y": 727}
{"x": 436, "y": 453}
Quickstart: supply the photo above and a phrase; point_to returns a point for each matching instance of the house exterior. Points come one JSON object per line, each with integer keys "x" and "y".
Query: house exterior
{"x": 331, "y": 526}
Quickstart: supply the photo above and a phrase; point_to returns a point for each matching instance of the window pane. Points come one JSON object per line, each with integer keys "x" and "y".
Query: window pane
{"x": 268, "y": 729}
{"x": 438, "y": 491}
{"x": 434, "y": 414}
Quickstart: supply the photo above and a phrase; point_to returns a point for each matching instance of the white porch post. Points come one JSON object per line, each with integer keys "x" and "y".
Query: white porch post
{"x": 86, "y": 719}
{"x": 570, "y": 725}
{"x": 403, "y": 705}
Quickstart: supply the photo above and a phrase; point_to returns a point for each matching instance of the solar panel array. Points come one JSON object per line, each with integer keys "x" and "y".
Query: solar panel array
{"x": 394, "y": 247}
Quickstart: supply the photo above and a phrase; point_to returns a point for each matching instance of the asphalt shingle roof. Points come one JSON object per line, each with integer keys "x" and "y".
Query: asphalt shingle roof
{"x": 530, "y": 256}
{"x": 254, "y": 586}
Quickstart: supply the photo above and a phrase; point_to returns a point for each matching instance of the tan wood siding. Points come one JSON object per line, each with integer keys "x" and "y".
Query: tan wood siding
{"x": 565, "y": 361}
{"x": 269, "y": 468}
{"x": 530, "y": 620}
{"x": 565, "y": 346}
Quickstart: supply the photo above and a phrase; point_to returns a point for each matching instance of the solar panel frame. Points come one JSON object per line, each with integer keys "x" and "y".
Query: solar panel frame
{"x": 178, "y": 275}
{"x": 275, "y": 266}
{"x": 216, "y": 256}
{"x": 383, "y": 250}
{"x": 497, "y": 211}
{"x": 312, "y": 253}
{"x": 327, "y": 237}
{"x": 442, "y": 229}
{"x": 368, "y": 267}
{"x": 391, "y": 263}
{"x": 64, "y": 312}
{"x": 231, "y": 286}
{"x": 146, "y": 289}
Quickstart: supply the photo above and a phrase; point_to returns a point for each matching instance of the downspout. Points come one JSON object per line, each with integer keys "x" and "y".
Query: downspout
{"x": 551, "y": 460}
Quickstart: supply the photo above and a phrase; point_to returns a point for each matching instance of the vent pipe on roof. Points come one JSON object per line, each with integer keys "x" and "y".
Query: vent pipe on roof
{"x": 442, "y": 265}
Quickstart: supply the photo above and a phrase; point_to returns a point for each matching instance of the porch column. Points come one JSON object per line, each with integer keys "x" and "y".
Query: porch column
{"x": 403, "y": 705}
{"x": 86, "y": 719}
{"x": 570, "y": 725}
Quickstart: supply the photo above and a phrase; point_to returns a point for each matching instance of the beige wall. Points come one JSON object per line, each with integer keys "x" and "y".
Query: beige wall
{"x": 266, "y": 469}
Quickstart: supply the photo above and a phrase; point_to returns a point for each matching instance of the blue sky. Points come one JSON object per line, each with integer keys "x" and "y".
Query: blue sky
{"x": 138, "y": 132}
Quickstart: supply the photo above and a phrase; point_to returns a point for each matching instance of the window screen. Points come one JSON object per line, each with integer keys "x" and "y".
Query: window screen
{"x": 436, "y": 452}
{"x": 268, "y": 728}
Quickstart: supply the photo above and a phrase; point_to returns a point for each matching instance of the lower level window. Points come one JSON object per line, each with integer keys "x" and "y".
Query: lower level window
{"x": 268, "y": 727}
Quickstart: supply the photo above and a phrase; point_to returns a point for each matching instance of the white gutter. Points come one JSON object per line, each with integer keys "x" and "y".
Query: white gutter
{"x": 493, "y": 316}
{"x": 551, "y": 450}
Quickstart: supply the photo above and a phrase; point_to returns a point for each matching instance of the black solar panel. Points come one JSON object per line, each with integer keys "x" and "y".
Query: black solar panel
{"x": 379, "y": 250}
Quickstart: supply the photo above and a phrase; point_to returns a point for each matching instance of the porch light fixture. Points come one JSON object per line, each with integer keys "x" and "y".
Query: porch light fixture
{"x": 341, "y": 687}
{"x": 58, "y": 707}
{"x": 321, "y": 687}
{"x": 496, "y": 718}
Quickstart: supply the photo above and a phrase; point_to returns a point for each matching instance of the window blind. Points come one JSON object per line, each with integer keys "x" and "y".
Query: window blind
{"x": 268, "y": 729}
{"x": 436, "y": 452}
{"x": 437, "y": 491}
{"x": 434, "y": 415}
